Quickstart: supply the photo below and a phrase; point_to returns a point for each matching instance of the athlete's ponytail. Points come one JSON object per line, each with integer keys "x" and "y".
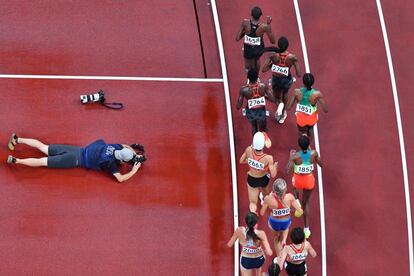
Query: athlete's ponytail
{"x": 308, "y": 80}
{"x": 279, "y": 187}
{"x": 251, "y": 220}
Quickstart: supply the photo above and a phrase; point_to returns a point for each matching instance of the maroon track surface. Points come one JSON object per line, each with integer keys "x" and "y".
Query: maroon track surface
{"x": 55, "y": 221}
{"x": 284, "y": 137}
{"x": 365, "y": 207}
{"x": 175, "y": 216}
{"x": 92, "y": 38}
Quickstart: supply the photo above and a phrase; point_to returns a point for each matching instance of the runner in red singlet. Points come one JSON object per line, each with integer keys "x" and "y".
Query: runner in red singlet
{"x": 293, "y": 256}
{"x": 255, "y": 93}
{"x": 280, "y": 64}
{"x": 261, "y": 168}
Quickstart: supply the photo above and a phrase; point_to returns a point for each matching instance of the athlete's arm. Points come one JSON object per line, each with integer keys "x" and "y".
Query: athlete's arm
{"x": 269, "y": 93}
{"x": 296, "y": 204}
{"x": 272, "y": 167}
{"x": 311, "y": 251}
{"x": 241, "y": 31}
{"x": 264, "y": 206}
{"x": 282, "y": 257}
{"x": 322, "y": 102}
{"x": 318, "y": 158}
{"x": 262, "y": 235}
{"x": 240, "y": 99}
{"x": 293, "y": 99}
{"x": 269, "y": 31}
{"x": 296, "y": 65}
{"x": 243, "y": 158}
{"x": 233, "y": 238}
{"x": 267, "y": 64}
{"x": 289, "y": 166}
{"x": 124, "y": 177}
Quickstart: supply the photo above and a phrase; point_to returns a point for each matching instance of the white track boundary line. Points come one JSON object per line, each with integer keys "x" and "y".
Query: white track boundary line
{"x": 231, "y": 135}
{"x": 401, "y": 138}
{"x": 63, "y": 77}
{"x": 320, "y": 184}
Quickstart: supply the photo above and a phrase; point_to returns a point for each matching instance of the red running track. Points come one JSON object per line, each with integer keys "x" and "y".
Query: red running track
{"x": 284, "y": 137}
{"x": 56, "y": 221}
{"x": 398, "y": 18}
{"x": 107, "y": 39}
{"x": 83, "y": 222}
{"x": 364, "y": 192}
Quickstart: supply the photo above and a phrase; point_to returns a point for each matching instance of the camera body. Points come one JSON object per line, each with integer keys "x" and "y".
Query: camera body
{"x": 96, "y": 97}
{"x": 137, "y": 159}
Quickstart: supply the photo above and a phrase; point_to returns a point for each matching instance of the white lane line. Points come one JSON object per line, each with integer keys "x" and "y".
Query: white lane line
{"x": 62, "y": 77}
{"x": 401, "y": 138}
{"x": 320, "y": 184}
{"x": 231, "y": 135}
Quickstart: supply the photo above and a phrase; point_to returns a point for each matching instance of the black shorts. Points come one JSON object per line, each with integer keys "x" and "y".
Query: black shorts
{"x": 296, "y": 269}
{"x": 256, "y": 182}
{"x": 63, "y": 156}
{"x": 253, "y": 51}
{"x": 281, "y": 83}
{"x": 257, "y": 114}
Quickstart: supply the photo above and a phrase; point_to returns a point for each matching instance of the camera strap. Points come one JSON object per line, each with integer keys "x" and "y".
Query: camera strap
{"x": 113, "y": 105}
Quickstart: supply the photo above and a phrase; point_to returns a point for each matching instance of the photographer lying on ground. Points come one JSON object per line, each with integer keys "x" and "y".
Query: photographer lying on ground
{"x": 97, "y": 156}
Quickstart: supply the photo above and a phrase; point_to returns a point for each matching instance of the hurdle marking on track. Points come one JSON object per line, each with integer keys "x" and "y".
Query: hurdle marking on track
{"x": 231, "y": 135}
{"x": 63, "y": 77}
{"x": 401, "y": 138}
{"x": 320, "y": 184}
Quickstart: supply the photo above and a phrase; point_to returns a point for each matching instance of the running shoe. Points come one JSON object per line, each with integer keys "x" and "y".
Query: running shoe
{"x": 12, "y": 141}
{"x": 307, "y": 232}
{"x": 283, "y": 118}
{"x": 278, "y": 113}
{"x": 11, "y": 160}
{"x": 261, "y": 198}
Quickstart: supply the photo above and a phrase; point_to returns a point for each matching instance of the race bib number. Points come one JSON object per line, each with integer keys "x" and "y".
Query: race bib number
{"x": 251, "y": 250}
{"x": 304, "y": 169}
{"x": 304, "y": 109}
{"x": 255, "y": 103}
{"x": 255, "y": 164}
{"x": 254, "y": 41}
{"x": 298, "y": 257}
{"x": 280, "y": 70}
{"x": 280, "y": 212}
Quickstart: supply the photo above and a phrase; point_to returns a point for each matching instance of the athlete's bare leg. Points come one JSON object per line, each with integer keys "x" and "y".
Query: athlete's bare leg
{"x": 33, "y": 162}
{"x": 249, "y": 64}
{"x": 248, "y": 272}
{"x": 253, "y": 198}
{"x": 34, "y": 144}
{"x": 305, "y": 205}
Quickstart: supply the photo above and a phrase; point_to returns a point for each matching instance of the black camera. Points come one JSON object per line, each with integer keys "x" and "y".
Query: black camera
{"x": 95, "y": 97}
{"x": 137, "y": 159}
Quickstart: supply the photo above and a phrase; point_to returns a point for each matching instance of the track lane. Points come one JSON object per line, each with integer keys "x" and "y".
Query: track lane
{"x": 365, "y": 179}
{"x": 283, "y": 137}
{"x": 398, "y": 19}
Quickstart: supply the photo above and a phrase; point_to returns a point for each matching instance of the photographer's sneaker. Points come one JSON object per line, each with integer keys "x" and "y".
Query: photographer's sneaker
{"x": 12, "y": 141}
{"x": 11, "y": 160}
